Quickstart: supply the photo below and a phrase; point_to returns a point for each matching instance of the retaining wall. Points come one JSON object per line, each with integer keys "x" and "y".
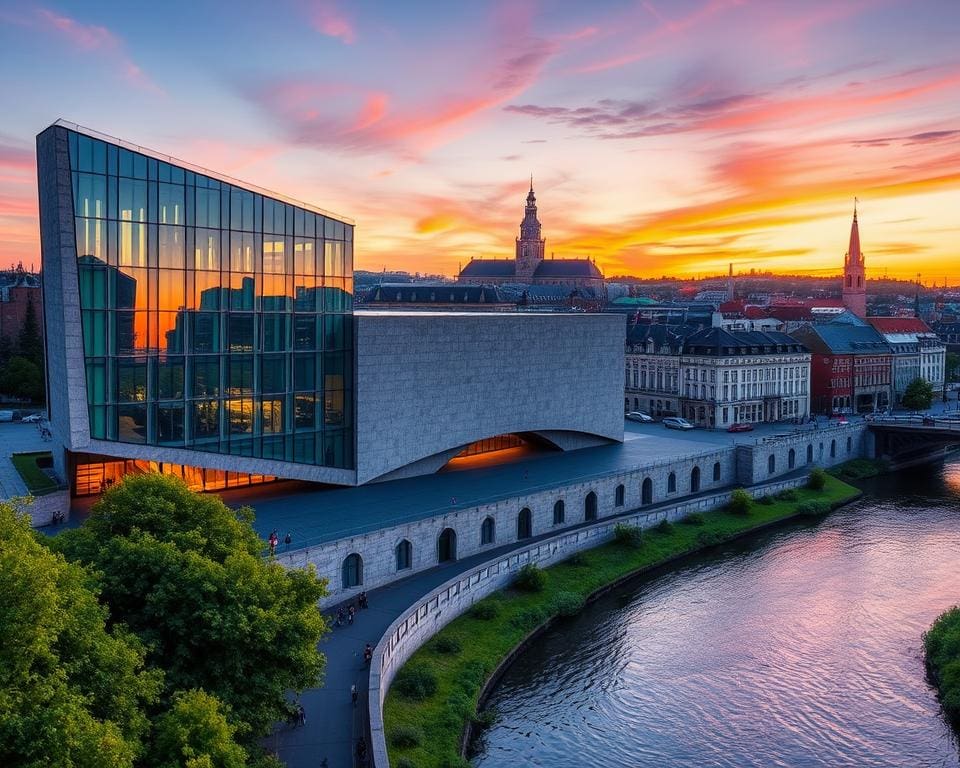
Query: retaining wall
{"x": 436, "y": 609}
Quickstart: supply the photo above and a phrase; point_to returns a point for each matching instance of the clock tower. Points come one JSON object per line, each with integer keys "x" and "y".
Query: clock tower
{"x": 530, "y": 245}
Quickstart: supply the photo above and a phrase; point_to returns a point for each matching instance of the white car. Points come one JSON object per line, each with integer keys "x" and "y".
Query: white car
{"x": 643, "y": 418}
{"x": 675, "y": 422}
{"x": 33, "y": 418}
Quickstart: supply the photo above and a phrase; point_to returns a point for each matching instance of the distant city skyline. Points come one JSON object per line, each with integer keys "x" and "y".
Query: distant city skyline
{"x": 664, "y": 138}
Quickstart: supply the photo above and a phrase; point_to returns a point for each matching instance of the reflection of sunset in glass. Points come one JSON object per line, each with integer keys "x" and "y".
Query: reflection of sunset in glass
{"x": 665, "y": 137}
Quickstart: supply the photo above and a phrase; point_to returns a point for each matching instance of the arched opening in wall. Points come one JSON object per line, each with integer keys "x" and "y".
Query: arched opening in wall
{"x": 524, "y": 524}
{"x": 590, "y": 506}
{"x": 833, "y": 449}
{"x": 716, "y": 471}
{"x": 646, "y": 492}
{"x": 487, "y": 531}
{"x": 695, "y": 479}
{"x": 671, "y": 483}
{"x": 447, "y": 545}
{"x": 559, "y": 512}
{"x": 500, "y": 449}
{"x": 791, "y": 459}
{"x": 352, "y": 571}
{"x": 810, "y": 454}
{"x": 404, "y": 553}
{"x": 620, "y": 496}
{"x": 771, "y": 464}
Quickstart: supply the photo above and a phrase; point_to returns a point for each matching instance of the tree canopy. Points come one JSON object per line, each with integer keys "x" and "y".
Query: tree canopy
{"x": 73, "y": 692}
{"x": 189, "y": 577}
{"x": 918, "y": 396}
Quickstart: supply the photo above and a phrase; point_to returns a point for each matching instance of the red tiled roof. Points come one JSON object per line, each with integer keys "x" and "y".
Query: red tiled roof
{"x": 899, "y": 324}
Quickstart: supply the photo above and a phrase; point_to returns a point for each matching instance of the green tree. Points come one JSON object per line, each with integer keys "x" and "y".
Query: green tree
{"x": 6, "y": 350}
{"x": 918, "y": 396}
{"x": 22, "y": 379}
{"x": 953, "y": 366}
{"x": 194, "y": 733}
{"x": 72, "y": 692}
{"x": 29, "y": 342}
{"x": 188, "y": 575}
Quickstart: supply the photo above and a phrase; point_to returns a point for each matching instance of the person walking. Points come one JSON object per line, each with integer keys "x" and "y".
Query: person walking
{"x": 287, "y": 540}
{"x": 340, "y": 617}
{"x": 367, "y": 653}
{"x": 362, "y": 599}
{"x": 350, "y": 611}
{"x": 353, "y": 694}
{"x": 301, "y": 714}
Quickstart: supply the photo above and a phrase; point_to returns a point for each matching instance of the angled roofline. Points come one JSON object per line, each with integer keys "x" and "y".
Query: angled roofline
{"x": 61, "y": 123}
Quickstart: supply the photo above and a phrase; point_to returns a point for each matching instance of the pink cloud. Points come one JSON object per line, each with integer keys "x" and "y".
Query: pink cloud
{"x": 93, "y": 37}
{"x": 330, "y": 21}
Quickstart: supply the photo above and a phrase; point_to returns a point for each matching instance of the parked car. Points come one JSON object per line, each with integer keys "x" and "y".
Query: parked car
{"x": 640, "y": 416}
{"x": 740, "y": 427}
{"x": 675, "y": 422}
{"x": 33, "y": 418}
{"x": 842, "y": 421}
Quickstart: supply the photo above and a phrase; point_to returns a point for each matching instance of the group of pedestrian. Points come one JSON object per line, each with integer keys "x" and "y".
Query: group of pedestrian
{"x": 274, "y": 541}
{"x": 58, "y": 517}
{"x": 351, "y": 610}
{"x": 362, "y": 751}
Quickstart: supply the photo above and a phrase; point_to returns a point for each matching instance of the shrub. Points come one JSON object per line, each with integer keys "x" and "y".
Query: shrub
{"x": 788, "y": 494}
{"x": 566, "y": 604}
{"x": 453, "y": 760}
{"x": 446, "y": 644}
{"x": 664, "y": 526}
{"x": 860, "y": 469}
{"x": 576, "y": 559}
{"x": 709, "y": 538}
{"x": 628, "y": 535}
{"x": 485, "y": 610}
{"x": 530, "y": 579}
{"x": 416, "y": 682}
{"x": 529, "y": 618}
{"x": 817, "y": 480}
{"x": 739, "y": 503}
{"x": 405, "y": 762}
{"x": 813, "y": 508}
{"x": 406, "y": 736}
{"x": 942, "y": 646}
{"x": 694, "y": 518}
{"x": 766, "y": 500}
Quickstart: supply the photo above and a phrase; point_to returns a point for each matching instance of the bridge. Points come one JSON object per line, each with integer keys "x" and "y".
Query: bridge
{"x": 908, "y": 440}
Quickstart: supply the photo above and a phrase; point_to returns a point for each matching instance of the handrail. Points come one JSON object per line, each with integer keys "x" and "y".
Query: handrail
{"x": 437, "y": 608}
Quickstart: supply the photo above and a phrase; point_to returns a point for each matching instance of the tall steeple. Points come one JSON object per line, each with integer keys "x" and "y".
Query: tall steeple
{"x": 854, "y": 272}
{"x": 530, "y": 244}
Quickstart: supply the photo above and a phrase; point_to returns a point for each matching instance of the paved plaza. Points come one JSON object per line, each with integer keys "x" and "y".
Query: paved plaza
{"x": 16, "y": 437}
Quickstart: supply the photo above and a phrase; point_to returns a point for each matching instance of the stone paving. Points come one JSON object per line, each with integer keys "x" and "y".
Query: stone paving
{"x": 17, "y": 438}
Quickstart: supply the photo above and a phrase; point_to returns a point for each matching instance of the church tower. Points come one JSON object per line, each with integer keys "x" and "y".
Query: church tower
{"x": 854, "y": 273}
{"x": 530, "y": 245}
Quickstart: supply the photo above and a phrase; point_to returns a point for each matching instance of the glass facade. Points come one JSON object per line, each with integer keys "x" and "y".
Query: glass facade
{"x": 215, "y": 318}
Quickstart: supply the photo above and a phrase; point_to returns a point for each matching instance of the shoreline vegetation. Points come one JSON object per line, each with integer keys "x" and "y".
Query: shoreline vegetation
{"x": 432, "y": 705}
{"x": 941, "y": 644}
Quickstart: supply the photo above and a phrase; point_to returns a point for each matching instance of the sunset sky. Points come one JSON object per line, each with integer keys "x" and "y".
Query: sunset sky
{"x": 664, "y": 136}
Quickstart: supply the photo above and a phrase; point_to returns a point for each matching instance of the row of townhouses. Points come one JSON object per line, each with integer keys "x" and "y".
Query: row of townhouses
{"x": 716, "y": 376}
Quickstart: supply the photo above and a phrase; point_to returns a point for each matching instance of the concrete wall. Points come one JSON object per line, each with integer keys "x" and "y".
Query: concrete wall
{"x": 436, "y": 609}
{"x": 430, "y": 383}
{"x": 830, "y": 446}
{"x": 378, "y": 548}
{"x": 40, "y": 509}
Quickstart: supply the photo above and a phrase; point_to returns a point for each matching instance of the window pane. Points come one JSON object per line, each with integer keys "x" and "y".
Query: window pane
{"x": 206, "y": 332}
{"x": 273, "y": 374}
{"x": 206, "y": 420}
{"x": 91, "y": 241}
{"x": 207, "y": 249}
{"x": 132, "y": 423}
{"x": 170, "y": 378}
{"x": 90, "y": 195}
{"x": 171, "y": 203}
{"x": 171, "y": 241}
{"x": 170, "y": 424}
{"x": 206, "y": 377}
{"x": 240, "y": 333}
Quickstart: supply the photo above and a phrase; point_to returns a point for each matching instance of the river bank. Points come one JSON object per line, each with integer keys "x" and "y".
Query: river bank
{"x": 942, "y": 649}
{"x": 437, "y": 692}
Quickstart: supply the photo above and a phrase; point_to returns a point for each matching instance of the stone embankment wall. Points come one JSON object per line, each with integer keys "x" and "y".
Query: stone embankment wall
{"x": 436, "y": 609}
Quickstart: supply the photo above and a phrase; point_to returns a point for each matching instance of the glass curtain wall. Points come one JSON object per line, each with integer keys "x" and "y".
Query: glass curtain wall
{"x": 214, "y": 318}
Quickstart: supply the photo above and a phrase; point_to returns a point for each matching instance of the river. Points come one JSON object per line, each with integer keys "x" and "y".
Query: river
{"x": 795, "y": 647}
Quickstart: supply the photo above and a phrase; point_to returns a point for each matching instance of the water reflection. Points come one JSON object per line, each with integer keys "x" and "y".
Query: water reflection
{"x": 799, "y": 648}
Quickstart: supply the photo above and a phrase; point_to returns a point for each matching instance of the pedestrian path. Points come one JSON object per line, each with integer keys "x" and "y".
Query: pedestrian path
{"x": 334, "y": 724}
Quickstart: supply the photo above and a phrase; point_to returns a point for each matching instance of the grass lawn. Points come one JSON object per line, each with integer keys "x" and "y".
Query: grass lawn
{"x": 942, "y": 646}
{"x": 424, "y": 729}
{"x": 35, "y": 478}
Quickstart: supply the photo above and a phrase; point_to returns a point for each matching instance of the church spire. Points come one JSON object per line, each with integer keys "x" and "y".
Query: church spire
{"x": 854, "y": 256}
{"x": 854, "y": 272}
{"x": 531, "y": 198}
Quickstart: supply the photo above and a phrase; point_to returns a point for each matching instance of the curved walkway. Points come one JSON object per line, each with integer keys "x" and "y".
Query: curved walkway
{"x": 333, "y": 723}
